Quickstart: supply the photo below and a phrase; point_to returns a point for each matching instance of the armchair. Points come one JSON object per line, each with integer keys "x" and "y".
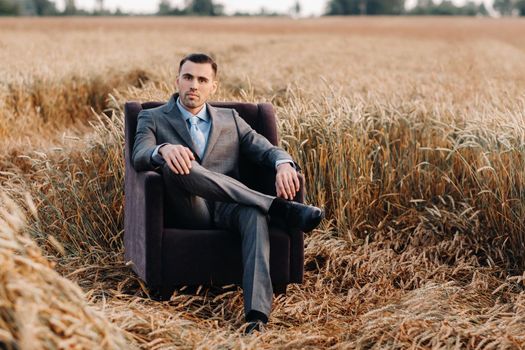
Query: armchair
{"x": 165, "y": 256}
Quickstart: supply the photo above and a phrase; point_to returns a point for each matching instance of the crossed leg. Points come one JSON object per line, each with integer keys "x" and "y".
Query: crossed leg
{"x": 216, "y": 187}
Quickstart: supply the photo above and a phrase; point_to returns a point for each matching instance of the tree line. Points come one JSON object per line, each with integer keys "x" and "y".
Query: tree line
{"x": 333, "y": 8}
{"x": 48, "y": 8}
{"x": 423, "y": 7}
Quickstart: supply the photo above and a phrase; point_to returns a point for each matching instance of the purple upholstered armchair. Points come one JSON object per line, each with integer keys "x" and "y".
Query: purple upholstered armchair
{"x": 165, "y": 256}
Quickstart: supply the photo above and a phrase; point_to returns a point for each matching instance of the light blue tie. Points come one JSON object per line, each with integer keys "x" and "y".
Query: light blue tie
{"x": 197, "y": 136}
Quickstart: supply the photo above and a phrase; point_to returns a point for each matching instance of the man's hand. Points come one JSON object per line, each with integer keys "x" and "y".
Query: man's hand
{"x": 286, "y": 181}
{"x": 177, "y": 157}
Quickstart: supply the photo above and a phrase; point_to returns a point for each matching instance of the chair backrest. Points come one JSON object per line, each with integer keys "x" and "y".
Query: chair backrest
{"x": 261, "y": 117}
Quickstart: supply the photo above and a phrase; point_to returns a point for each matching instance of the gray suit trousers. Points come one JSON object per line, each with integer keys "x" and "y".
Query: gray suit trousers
{"x": 204, "y": 199}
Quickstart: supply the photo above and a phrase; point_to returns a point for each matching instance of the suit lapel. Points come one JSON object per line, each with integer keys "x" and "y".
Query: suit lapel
{"x": 175, "y": 119}
{"x": 216, "y": 128}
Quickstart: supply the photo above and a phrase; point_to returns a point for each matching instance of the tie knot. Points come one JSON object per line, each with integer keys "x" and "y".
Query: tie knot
{"x": 194, "y": 120}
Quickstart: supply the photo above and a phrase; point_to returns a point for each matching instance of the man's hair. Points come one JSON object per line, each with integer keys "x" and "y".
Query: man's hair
{"x": 199, "y": 58}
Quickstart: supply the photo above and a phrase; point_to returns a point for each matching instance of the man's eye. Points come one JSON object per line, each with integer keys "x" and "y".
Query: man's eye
{"x": 203, "y": 80}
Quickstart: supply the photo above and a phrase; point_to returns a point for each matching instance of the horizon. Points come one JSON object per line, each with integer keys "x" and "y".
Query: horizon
{"x": 309, "y": 7}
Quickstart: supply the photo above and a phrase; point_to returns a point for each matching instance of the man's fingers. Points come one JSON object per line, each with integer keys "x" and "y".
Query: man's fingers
{"x": 292, "y": 186}
{"x": 296, "y": 182}
{"x": 287, "y": 188}
{"x": 286, "y": 185}
{"x": 176, "y": 163}
{"x": 172, "y": 166}
{"x": 182, "y": 163}
{"x": 189, "y": 153}
{"x": 280, "y": 187}
{"x": 181, "y": 157}
{"x": 187, "y": 160}
{"x": 178, "y": 167}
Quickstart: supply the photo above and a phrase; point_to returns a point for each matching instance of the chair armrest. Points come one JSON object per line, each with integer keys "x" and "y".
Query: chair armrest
{"x": 297, "y": 241}
{"x": 299, "y": 196}
{"x": 143, "y": 223}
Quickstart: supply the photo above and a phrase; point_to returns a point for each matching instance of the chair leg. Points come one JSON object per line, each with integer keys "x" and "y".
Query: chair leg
{"x": 279, "y": 289}
{"x": 162, "y": 293}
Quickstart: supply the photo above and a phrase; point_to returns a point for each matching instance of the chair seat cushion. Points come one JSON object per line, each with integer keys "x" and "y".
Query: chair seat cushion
{"x": 192, "y": 257}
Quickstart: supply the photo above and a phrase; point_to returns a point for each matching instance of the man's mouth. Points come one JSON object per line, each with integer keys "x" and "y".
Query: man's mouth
{"x": 192, "y": 95}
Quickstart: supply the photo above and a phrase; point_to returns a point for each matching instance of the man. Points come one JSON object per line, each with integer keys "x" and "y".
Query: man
{"x": 197, "y": 146}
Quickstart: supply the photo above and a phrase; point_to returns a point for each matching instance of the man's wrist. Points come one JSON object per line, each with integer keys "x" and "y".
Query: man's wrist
{"x": 156, "y": 156}
{"x": 284, "y": 161}
{"x": 160, "y": 149}
{"x": 287, "y": 163}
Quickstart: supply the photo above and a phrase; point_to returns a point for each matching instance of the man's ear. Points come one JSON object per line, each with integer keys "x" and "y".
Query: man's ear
{"x": 177, "y": 83}
{"x": 215, "y": 86}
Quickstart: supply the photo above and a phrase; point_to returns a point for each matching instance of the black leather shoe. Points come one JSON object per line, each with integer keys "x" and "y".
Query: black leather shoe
{"x": 255, "y": 321}
{"x": 297, "y": 215}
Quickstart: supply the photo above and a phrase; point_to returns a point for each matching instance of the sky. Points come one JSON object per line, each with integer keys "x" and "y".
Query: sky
{"x": 309, "y": 7}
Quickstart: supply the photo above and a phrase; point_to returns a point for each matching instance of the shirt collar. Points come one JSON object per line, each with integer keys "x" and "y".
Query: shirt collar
{"x": 203, "y": 113}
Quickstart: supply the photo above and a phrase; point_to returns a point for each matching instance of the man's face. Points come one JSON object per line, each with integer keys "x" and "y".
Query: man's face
{"x": 196, "y": 83}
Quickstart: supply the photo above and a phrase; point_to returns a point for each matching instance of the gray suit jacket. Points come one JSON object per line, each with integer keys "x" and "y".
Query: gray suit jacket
{"x": 230, "y": 136}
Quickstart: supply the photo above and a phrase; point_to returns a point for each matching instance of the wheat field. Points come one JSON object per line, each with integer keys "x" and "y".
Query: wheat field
{"x": 411, "y": 135}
